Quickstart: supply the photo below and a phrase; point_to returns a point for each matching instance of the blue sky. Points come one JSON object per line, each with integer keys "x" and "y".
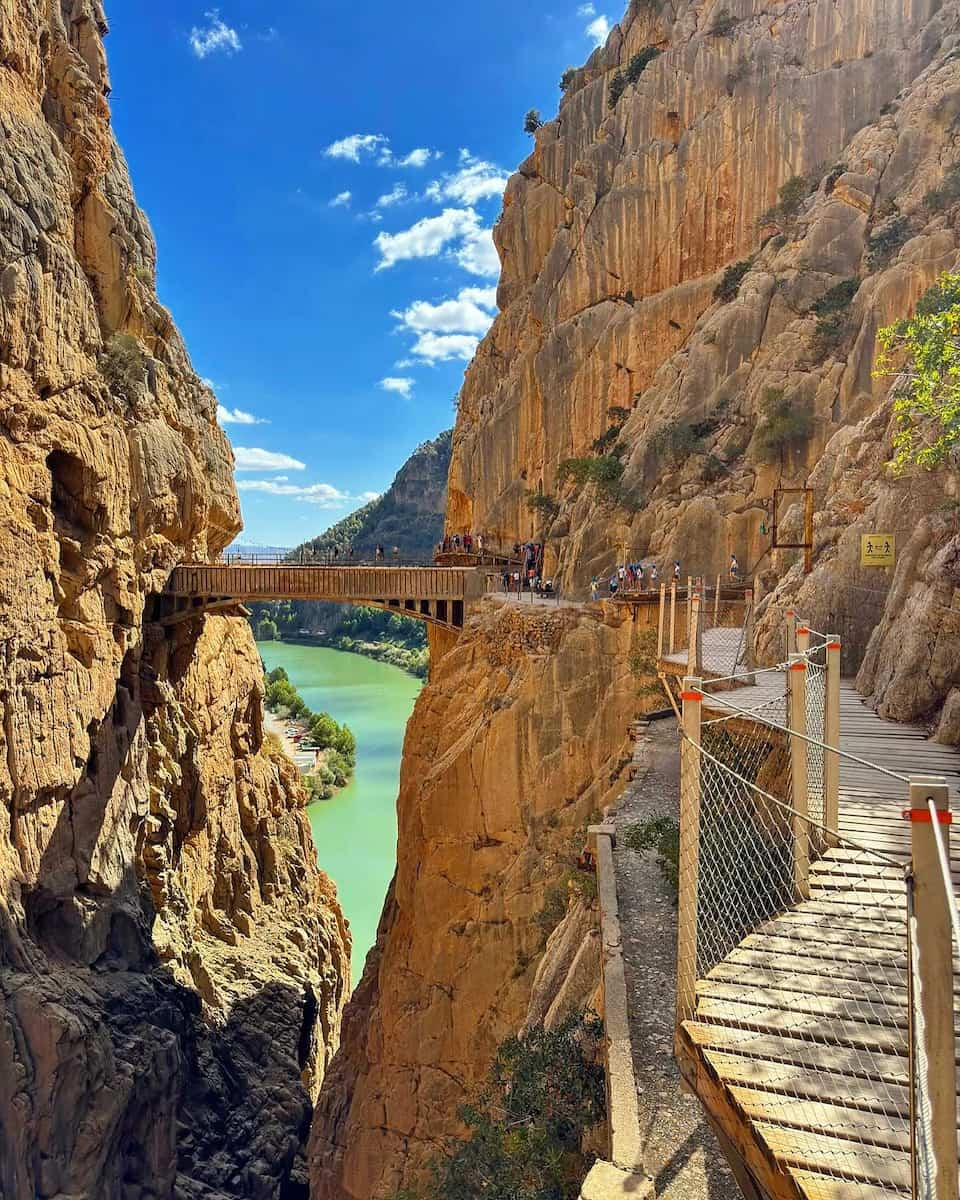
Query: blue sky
{"x": 322, "y": 178}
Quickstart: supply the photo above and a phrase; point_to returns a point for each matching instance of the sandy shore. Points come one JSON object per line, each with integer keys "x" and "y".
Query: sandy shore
{"x": 278, "y": 726}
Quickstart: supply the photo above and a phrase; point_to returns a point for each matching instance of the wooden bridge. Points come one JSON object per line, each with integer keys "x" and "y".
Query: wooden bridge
{"x": 436, "y": 595}
{"x": 817, "y": 1013}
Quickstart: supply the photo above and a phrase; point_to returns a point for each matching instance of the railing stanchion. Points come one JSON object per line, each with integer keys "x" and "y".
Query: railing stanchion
{"x": 749, "y": 617}
{"x": 689, "y": 609}
{"x": 695, "y": 648}
{"x": 716, "y": 606}
{"x": 831, "y": 735}
{"x": 803, "y": 638}
{"x": 935, "y": 1053}
{"x": 662, "y": 621}
{"x": 798, "y": 763}
{"x": 689, "y": 857}
{"x": 673, "y": 616}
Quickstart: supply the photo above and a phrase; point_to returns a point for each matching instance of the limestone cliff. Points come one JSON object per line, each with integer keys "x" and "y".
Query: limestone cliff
{"x": 615, "y": 239}
{"x": 517, "y": 742}
{"x": 172, "y": 962}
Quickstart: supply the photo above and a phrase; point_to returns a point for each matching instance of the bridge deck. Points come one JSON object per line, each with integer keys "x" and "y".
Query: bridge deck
{"x": 798, "y": 1045}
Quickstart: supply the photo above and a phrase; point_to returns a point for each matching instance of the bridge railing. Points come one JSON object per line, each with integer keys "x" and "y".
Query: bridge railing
{"x": 787, "y": 924}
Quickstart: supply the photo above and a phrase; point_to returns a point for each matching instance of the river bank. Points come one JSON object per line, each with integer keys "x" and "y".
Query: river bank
{"x": 355, "y": 831}
{"x": 414, "y": 660}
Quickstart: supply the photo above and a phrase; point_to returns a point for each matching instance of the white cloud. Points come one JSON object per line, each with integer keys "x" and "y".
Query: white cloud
{"x": 403, "y": 387}
{"x": 478, "y": 255}
{"x": 324, "y": 495}
{"x": 369, "y": 145}
{"x": 418, "y": 158}
{"x": 236, "y": 416}
{"x": 428, "y": 237}
{"x": 586, "y": 10}
{"x": 445, "y": 347}
{"x": 356, "y": 145}
{"x": 397, "y": 196}
{"x": 598, "y": 30}
{"x": 465, "y": 314}
{"x": 474, "y": 180}
{"x": 254, "y": 459}
{"x": 341, "y": 200}
{"x": 214, "y": 37}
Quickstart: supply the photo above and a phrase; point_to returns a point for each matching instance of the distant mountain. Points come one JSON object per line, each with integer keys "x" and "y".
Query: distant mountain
{"x": 408, "y": 515}
{"x": 264, "y": 551}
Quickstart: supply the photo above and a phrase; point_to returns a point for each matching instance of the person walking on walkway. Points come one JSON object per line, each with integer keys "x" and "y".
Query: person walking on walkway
{"x": 676, "y": 569}
{"x": 734, "y": 568}
{"x": 614, "y": 584}
{"x": 379, "y": 553}
{"x": 594, "y": 589}
{"x": 654, "y": 576}
{"x": 396, "y": 554}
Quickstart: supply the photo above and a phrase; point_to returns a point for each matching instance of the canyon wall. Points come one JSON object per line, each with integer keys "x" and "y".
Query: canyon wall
{"x": 172, "y": 961}
{"x": 615, "y": 235}
{"x": 515, "y": 745}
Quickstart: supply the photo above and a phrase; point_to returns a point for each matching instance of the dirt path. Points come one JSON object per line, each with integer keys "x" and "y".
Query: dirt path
{"x": 680, "y": 1152}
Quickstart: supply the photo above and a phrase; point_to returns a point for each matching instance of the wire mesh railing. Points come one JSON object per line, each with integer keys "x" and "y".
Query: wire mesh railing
{"x": 800, "y": 972}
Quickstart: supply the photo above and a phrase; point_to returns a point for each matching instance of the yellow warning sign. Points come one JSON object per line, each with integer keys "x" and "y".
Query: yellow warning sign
{"x": 878, "y": 550}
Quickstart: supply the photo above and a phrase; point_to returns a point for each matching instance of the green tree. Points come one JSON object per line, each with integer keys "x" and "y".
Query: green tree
{"x": 267, "y": 630}
{"x": 923, "y": 353}
{"x": 532, "y": 121}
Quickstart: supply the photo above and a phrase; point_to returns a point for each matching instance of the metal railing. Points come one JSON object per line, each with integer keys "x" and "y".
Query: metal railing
{"x": 815, "y": 969}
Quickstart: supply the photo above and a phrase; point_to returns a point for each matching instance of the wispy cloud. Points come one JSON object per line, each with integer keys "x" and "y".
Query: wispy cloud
{"x": 586, "y": 10}
{"x": 358, "y": 146}
{"x": 324, "y": 495}
{"x": 236, "y": 416}
{"x": 341, "y": 200}
{"x": 252, "y": 458}
{"x": 427, "y": 238}
{"x": 214, "y": 37}
{"x": 397, "y": 196}
{"x": 599, "y": 29}
{"x": 473, "y": 181}
{"x": 403, "y": 387}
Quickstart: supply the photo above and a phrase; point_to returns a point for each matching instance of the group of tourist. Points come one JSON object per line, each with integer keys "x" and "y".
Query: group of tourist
{"x": 461, "y": 543}
{"x": 638, "y": 577}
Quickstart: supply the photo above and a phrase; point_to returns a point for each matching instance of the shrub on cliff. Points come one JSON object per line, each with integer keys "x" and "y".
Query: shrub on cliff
{"x": 525, "y": 1126}
{"x": 532, "y": 121}
{"x": 784, "y": 426}
{"x": 604, "y": 471}
{"x": 630, "y": 74}
{"x": 884, "y": 242}
{"x": 729, "y": 286}
{"x": 723, "y": 24}
{"x": 923, "y": 354}
{"x": 124, "y": 365}
{"x": 567, "y": 78}
{"x": 792, "y": 195}
{"x": 675, "y": 441}
{"x": 948, "y": 193}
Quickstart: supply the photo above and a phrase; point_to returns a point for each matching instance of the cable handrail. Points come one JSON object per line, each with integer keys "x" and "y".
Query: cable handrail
{"x": 782, "y": 667}
{"x": 945, "y": 871}
{"x": 903, "y": 868}
{"x": 845, "y": 754}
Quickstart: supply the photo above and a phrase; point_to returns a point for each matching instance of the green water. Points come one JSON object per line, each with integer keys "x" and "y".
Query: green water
{"x": 356, "y": 832}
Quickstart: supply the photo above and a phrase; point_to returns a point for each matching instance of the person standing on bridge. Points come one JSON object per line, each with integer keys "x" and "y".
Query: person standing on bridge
{"x": 480, "y": 544}
{"x": 734, "y": 569}
{"x": 676, "y": 569}
{"x": 396, "y": 554}
{"x": 594, "y": 589}
{"x": 654, "y": 576}
{"x": 379, "y": 553}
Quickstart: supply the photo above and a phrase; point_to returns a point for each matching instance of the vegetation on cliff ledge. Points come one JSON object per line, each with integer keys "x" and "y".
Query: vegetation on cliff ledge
{"x": 526, "y": 1124}
{"x": 924, "y": 355}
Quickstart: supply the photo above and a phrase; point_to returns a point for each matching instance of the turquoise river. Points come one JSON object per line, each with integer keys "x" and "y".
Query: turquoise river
{"x": 356, "y": 832}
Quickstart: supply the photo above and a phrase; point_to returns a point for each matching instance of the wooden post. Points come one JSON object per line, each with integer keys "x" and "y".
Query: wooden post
{"x": 749, "y": 620}
{"x": 798, "y": 762}
{"x": 803, "y": 639}
{"x": 934, "y": 1060}
{"x": 673, "y": 616}
{"x": 663, "y": 617}
{"x": 716, "y": 606}
{"x": 831, "y": 735}
{"x": 791, "y": 631}
{"x": 695, "y": 649}
{"x": 689, "y": 610}
{"x": 689, "y": 857}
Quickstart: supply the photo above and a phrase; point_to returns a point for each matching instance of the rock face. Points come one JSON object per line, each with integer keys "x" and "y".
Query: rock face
{"x": 615, "y": 235}
{"x": 516, "y": 743}
{"x": 172, "y": 962}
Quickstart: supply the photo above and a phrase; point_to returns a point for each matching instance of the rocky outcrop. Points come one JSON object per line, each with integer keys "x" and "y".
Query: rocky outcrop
{"x": 517, "y": 742}
{"x": 172, "y": 962}
{"x": 615, "y": 239}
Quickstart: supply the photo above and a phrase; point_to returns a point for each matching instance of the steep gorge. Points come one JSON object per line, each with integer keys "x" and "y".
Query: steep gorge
{"x": 801, "y": 138}
{"x": 172, "y": 961}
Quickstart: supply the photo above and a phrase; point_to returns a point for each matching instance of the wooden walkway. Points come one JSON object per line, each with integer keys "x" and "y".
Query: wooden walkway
{"x": 436, "y": 595}
{"x": 798, "y": 1044}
